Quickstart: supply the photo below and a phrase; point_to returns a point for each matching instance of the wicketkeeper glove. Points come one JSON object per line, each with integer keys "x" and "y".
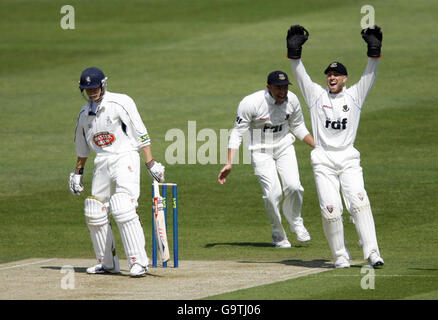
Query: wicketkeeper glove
{"x": 156, "y": 170}
{"x": 373, "y": 37}
{"x": 75, "y": 182}
{"x": 296, "y": 36}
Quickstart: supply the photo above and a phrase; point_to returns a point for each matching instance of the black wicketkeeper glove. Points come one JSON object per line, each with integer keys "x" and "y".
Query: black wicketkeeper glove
{"x": 296, "y": 36}
{"x": 373, "y": 37}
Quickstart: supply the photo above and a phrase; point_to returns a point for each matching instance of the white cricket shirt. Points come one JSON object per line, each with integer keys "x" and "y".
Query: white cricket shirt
{"x": 269, "y": 124}
{"x": 116, "y": 127}
{"x": 335, "y": 117}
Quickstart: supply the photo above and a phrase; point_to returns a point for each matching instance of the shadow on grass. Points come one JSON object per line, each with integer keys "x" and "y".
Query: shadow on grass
{"x": 240, "y": 244}
{"x": 424, "y": 269}
{"x": 317, "y": 263}
{"x": 248, "y": 244}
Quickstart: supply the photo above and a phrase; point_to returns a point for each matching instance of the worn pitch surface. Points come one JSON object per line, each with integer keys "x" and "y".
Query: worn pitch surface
{"x": 66, "y": 279}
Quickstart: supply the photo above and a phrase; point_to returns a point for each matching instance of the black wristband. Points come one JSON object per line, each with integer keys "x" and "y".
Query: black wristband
{"x": 79, "y": 171}
{"x": 150, "y": 164}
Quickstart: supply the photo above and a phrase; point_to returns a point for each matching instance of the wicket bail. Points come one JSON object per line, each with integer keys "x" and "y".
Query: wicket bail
{"x": 175, "y": 222}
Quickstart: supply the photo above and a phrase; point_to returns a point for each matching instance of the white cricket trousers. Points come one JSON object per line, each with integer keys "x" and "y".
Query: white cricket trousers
{"x": 116, "y": 174}
{"x": 336, "y": 171}
{"x": 116, "y": 183}
{"x": 270, "y": 166}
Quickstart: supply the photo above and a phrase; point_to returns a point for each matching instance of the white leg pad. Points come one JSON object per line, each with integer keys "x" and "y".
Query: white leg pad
{"x": 334, "y": 231}
{"x": 96, "y": 217}
{"x": 123, "y": 209}
{"x": 360, "y": 209}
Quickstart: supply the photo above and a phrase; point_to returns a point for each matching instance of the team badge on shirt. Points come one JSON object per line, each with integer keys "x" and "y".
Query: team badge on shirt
{"x": 104, "y": 139}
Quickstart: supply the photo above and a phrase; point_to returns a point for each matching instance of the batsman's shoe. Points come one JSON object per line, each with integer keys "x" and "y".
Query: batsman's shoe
{"x": 137, "y": 270}
{"x": 342, "y": 262}
{"x": 375, "y": 260}
{"x": 301, "y": 232}
{"x": 282, "y": 244}
{"x": 100, "y": 269}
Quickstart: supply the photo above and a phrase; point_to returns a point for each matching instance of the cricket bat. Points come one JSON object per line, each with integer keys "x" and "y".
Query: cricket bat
{"x": 160, "y": 225}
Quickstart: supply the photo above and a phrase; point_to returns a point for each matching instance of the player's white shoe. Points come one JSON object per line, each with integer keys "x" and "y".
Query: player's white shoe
{"x": 342, "y": 262}
{"x": 100, "y": 269}
{"x": 375, "y": 260}
{"x": 137, "y": 270}
{"x": 301, "y": 232}
{"x": 282, "y": 244}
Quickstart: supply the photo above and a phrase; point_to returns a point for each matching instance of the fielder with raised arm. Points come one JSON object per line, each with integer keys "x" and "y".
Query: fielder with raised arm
{"x": 335, "y": 112}
{"x": 270, "y": 115}
{"x": 110, "y": 125}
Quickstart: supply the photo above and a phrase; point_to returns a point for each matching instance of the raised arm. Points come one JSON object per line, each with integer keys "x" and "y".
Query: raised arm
{"x": 373, "y": 37}
{"x": 296, "y": 37}
{"x": 361, "y": 89}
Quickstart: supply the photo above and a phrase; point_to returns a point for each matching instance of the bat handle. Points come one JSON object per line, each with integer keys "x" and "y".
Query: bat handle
{"x": 156, "y": 189}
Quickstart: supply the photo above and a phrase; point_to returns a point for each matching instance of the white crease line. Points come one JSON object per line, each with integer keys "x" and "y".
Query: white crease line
{"x": 311, "y": 271}
{"x": 27, "y": 264}
{"x": 386, "y": 275}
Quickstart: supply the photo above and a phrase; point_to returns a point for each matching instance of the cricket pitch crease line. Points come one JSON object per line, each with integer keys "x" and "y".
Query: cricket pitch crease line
{"x": 385, "y": 275}
{"x": 27, "y": 264}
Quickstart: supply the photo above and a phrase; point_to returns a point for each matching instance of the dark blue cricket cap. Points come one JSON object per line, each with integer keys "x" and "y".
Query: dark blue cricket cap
{"x": 338, "y": 67}
{"x": 278, "y": 78}
{"x": 91, "y": 78}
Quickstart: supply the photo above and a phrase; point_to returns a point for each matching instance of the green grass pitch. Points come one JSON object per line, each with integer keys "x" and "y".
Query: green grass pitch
{"x": 194, "y": 61}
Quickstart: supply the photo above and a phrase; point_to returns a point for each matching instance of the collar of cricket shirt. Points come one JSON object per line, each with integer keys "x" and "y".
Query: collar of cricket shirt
{"x": 95, "y": 106}
{"x": 336, "y": 95}
{"x": 271, "y": 100}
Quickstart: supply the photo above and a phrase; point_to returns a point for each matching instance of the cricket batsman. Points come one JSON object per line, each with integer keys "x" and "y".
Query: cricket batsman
{"x": 110, "y": 125}
{"x": 271, "y": 116}
{"x": 335, "y": 112}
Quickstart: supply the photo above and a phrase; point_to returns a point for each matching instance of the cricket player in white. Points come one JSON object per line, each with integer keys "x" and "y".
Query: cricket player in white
{"x": 110, "y": 125}
{"x": 335, "y": 113}
{"x": 270, "y": 115}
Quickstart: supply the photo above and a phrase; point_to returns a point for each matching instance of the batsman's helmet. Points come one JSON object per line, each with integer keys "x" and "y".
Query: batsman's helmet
{"x": 92, "y": 78}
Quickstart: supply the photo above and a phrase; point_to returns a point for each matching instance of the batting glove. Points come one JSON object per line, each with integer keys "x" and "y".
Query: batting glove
{"x": 75, "y": 183}
{"x": 156, "y": 170}
{"x": 373, "y": 37}
{"x": 296, "y": 37}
